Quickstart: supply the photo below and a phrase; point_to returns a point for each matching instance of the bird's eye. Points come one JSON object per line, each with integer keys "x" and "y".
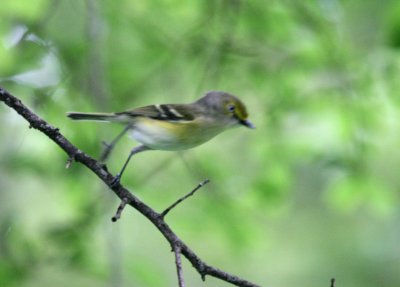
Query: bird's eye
{"x": 231, "y": 108}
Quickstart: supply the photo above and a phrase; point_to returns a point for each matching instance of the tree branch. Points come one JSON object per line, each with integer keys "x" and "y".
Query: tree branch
{"x": 100, "y": 170}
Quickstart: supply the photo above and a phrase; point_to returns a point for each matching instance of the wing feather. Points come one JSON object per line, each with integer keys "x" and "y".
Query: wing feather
{"x": 171, "y": 112}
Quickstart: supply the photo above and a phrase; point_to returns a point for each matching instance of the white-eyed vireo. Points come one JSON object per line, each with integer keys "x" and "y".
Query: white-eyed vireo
{"x": 176, "y": 126}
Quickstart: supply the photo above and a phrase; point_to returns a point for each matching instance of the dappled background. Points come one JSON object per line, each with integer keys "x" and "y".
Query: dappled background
{"x": 311, "y": 194}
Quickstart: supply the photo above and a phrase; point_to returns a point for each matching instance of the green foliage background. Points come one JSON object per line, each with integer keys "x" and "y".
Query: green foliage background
{"x": 312, "y": 193}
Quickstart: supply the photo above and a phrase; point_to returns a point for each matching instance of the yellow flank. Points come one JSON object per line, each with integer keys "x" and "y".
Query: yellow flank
{"x": 169, "y": 135}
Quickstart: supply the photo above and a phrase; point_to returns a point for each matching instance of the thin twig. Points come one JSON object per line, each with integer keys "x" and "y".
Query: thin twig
{"x": 333, "y": 282}
{"x": 99, "y": 169}
{"x": 70, "y": 160}
{"x": 178, "y": 262}
{"x": 119, "y": 210}
{"x": 168, "y": 209}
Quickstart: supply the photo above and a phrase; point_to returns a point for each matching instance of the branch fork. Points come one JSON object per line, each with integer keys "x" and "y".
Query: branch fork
{"x": 180, "y": 200}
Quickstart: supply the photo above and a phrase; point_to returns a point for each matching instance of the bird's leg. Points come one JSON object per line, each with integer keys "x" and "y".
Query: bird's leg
{"x": 135, "y": 150}
{"x": 109, "y": 146}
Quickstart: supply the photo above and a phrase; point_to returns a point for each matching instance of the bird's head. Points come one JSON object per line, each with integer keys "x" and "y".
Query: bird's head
{"x": 228, "y": 108}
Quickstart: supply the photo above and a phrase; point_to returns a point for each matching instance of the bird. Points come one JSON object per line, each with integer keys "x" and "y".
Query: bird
{"x": 174, "y": 127}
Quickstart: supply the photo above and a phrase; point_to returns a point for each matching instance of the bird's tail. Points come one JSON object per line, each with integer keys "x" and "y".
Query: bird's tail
{"x": 103, "y": 117}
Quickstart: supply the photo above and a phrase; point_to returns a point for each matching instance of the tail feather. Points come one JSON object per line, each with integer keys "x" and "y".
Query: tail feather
{"x": 104, "y": 117}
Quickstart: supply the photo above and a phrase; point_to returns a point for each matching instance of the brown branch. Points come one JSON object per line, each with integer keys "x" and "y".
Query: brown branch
{"x": 100, "y": 170}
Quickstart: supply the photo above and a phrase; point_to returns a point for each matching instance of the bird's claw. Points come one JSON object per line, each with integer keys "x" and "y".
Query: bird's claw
{"x": 116, "y": 180}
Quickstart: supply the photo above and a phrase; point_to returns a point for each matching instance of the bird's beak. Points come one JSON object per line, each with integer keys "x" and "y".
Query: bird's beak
{"x": 248, "y": 124}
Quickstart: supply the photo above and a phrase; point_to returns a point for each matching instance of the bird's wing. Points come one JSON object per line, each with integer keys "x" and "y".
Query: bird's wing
{"x": 162, "y": 112}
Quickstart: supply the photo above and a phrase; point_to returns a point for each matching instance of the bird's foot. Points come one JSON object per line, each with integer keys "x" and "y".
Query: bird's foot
{"x": 116, "y": 180}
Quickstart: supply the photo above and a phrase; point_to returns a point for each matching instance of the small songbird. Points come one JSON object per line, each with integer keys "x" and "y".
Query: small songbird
{"x": 176, "y": 126}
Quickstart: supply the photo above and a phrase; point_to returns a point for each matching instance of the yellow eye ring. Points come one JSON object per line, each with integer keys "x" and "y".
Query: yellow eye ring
{"x": 231, "y": 108}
